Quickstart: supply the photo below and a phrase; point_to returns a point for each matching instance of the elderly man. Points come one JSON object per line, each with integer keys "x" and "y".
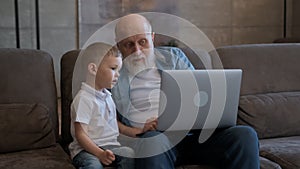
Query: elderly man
{"x": 137, "y": 98}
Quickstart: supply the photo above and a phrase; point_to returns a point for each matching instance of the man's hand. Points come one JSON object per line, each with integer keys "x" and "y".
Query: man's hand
{"x": 151, "y": 124}
{"x": 106, "y": 157}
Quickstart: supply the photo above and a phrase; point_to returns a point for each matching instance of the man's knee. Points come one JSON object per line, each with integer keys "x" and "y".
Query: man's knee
{"x": 152, "y": 143}
{"x": 125, "y": 152}
{"x": 247, "y": 132}
{"x": 245, "y": 135}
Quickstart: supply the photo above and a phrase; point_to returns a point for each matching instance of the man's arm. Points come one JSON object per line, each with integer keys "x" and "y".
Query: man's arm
{"x": 183, "y": 62}
{"x": 174, "y": 58}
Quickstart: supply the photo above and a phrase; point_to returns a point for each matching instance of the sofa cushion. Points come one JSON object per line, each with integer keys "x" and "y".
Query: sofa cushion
{"x": 52, "y": 157}
{"x": 195, "y": 167}
{"x": 27, "y": 76}
{"x": 267, "y": 68}
{"x": 284, "y": 151}
{"x": 271, "y": 115}
{"x": 25, "y": 126}
{"x": 268, "y": 164}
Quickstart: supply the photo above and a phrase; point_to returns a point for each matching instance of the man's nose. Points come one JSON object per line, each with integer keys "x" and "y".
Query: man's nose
{"x": 137, "y": 49}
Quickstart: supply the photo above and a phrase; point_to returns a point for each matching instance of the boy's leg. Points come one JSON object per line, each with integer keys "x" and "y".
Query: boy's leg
{"x": 85, "y": 160}
{"x": 124, "y": 157}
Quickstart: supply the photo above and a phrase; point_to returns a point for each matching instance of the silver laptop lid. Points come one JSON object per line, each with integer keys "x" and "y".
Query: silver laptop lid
{"x": 198, "y": 99}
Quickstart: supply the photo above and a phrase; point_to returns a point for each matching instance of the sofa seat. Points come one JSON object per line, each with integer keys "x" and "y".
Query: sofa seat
{"x": 187, "y": 167}
{"x": 195, "y": 167}
{"x": 268, "y": 164}
{"x": 47, "y": 158}
{"x": 285, "y": 151}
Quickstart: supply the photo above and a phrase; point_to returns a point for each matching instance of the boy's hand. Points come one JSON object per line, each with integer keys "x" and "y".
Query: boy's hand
{"x": 106, "y": 157}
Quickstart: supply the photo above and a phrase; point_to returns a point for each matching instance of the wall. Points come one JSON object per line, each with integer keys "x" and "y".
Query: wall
{"x": 225, "y": 22}
{"x": 296, "y": 19}
{"x": 57, "y": 21}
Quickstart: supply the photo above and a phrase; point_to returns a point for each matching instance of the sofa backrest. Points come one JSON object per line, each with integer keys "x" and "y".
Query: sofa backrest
{"x": 67, "y": 64}
{"x": 28, "y": 100}
{"x": 199, "y": 57}
{"x": 266, "y": 67}
{"x": 270, "y": 89}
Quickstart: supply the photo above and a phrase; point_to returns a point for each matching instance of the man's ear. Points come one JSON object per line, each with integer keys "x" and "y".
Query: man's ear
{"x": 92, "y": 68}
{"x": 152, "y": 35}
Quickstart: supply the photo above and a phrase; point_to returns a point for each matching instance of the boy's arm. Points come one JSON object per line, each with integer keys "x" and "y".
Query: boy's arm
{"x": 105, "y": 156}
{"x": 129, "y": 131}
{"x": 134, "y": 131}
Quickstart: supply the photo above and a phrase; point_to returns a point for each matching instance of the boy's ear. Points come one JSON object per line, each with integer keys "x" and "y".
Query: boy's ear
{"x": 92, "y": 68}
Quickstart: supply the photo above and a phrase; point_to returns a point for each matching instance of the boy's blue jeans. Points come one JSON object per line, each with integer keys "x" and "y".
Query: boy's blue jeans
{"x": 85, "y": 160}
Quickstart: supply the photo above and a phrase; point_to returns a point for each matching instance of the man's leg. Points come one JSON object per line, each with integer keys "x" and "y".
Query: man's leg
{"x": 241, "y": 147}
{"x": 232, "y": 148}
{"x": 124, "y": 157}
{"x": 153, "y": 150}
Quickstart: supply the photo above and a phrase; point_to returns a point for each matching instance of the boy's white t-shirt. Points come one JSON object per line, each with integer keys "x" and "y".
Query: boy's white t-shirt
{"x": 98, "y": 111}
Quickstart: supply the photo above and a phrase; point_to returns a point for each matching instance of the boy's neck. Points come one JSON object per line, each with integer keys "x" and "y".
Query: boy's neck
{"x": 92, "y": 84}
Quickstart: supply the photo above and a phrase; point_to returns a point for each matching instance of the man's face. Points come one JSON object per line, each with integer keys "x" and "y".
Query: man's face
{"x": 136, "y": 45}
{"x": 137, "y": 52}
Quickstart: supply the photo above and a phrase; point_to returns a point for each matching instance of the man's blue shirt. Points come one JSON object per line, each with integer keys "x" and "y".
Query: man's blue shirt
{"x": 167, "y": 58}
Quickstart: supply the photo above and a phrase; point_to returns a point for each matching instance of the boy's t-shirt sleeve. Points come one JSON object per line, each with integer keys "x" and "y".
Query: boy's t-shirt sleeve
{"x": 82, "y": 110}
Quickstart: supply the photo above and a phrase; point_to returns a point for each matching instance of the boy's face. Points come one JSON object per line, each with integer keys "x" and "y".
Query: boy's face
{"x": 108, "y": 72}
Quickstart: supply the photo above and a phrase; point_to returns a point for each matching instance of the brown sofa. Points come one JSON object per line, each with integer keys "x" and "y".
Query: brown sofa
{"x": 28, "y": 112}
{"x": 270, "y": 98}
{"x": 67, "y": 66}
{"x": 269, "y": 102}
{"x": 243, "y": 57}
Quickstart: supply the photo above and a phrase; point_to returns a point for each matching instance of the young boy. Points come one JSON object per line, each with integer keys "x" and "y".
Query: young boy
{"x": 93, "y": 113}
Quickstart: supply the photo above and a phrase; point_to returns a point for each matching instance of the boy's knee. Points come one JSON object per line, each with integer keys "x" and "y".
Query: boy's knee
{"x": 92, "y": 163}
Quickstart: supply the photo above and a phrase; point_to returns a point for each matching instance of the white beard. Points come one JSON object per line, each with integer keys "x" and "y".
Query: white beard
{"x": 134, "y": 67}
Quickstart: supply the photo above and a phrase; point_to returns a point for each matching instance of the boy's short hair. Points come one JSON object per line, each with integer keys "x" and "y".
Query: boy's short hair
{"x": 94, "y": 53}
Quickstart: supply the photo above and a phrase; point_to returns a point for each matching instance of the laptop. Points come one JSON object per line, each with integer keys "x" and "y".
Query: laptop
{"x": 198, "y": 99}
